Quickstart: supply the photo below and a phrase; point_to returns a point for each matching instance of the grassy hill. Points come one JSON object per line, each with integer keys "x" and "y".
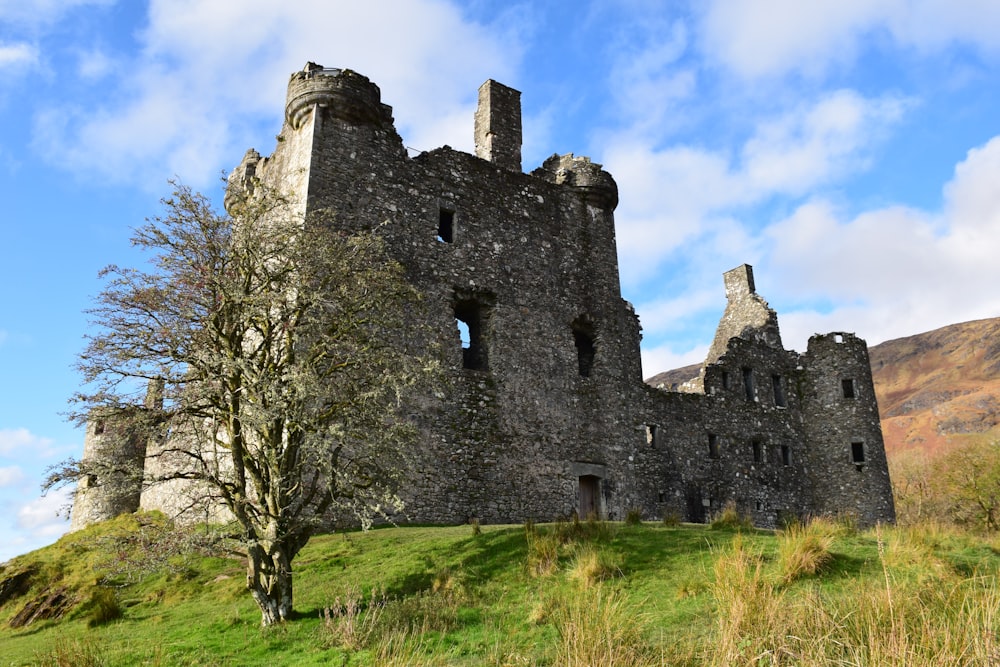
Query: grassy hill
{"x": 130, "y": 593}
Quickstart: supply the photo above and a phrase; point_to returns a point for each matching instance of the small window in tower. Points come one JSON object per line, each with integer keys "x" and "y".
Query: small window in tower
{"x": 857, "y": 453}
{"x": 748, "y": 385}
{"x": 446, "y": 226}
{"x": 713, "y": 446}
{"x": 99, "y": 427}
{"x": 848, "y": 386}
{"x": 758, "y": 451}
{"x": 586, "y": 349}
{"x": 726, "y": 384}
{"x": 652, "y": 431}
{"x": 470, "y": 317}
{"x": 779, "y": 391}
{"x": 786, "y": 455}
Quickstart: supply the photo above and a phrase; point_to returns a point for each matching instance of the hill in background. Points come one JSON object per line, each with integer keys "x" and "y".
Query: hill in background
{"x": 930, "y": 387}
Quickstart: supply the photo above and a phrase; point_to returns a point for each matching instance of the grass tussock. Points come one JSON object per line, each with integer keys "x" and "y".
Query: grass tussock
{"x": 592, "y": 565}
{"x": 730, "y": 518}
{"x": 804, "y": 550}
{"x": 601, "y": 629}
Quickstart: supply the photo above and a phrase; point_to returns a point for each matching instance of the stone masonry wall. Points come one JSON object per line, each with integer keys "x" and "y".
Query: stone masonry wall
{"x": 543, "y": 411}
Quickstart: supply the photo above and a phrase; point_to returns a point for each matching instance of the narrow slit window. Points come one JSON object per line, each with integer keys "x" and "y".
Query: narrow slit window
{"x": 847, "y": 385}
{"x": 713, "y": 446}
{"x": 446, "y": 226}
{"x": 758, "y": 451}
{"x": 726, "y": 383}
{"x": 779, "y": 391}
{"x": 786, "y": 455}
{"x": 857, "y": 453}
{"x": 652, "y": 432}
{"x": 586, "y": 348}
{"x": 748, "y": 385}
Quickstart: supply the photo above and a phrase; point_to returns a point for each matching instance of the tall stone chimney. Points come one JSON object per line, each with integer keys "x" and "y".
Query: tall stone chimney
{"x": 498, "y": 125}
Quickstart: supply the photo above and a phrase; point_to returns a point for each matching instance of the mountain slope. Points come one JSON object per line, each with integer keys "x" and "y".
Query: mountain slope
{"x": 938, "y": 384}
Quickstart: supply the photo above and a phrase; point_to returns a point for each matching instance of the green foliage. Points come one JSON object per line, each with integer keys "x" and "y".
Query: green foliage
{"x": 104, "y": 606}
{"x": 261, "y": 335}
{"x": 960, "y": 486}
{"x": 633, "y": 517}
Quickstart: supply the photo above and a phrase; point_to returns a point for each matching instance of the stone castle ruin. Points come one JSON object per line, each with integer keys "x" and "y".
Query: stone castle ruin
{"x": 544, "y": 412}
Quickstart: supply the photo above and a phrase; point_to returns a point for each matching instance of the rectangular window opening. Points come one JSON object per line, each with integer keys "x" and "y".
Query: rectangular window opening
{"x": 586, "y": 347}
{"x": 786, "y": 455}
{"x": 857, "y": 453}
{"x": 758, "y": 451}
{"x": 848, "y": 386}
{"x": 99, "y": 427}
{"x": 652, "y": 432}
{"x": 469, "y": 318}
{"x": 725, "y": 380}
{"x": 748, "y": 384}
{"x": 713, "y": 446}
{"x": 446, "y": 226}
{"x": 779, "y": 391}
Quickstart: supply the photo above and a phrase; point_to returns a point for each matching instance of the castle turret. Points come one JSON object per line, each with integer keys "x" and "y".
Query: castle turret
{"x": 846, "y": 453}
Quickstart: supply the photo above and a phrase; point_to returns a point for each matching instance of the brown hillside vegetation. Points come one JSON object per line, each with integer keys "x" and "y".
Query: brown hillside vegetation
{"x": 938, "y": 384}
{"x": 930, "y": 386}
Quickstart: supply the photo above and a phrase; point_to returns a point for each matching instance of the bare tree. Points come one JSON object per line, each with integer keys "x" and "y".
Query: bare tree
{"x": 272, "y": 342}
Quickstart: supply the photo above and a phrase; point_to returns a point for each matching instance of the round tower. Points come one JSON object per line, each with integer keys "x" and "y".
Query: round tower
{"x": 344, "y": 93}
{"x": 112, "y": 463}
{"x": 844, "y": 435}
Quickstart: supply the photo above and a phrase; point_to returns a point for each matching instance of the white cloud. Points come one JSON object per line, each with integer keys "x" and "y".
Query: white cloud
{"x": 44, "y": 517}
{"x": 662, "y": 358}
{"x": 20, "y": 440}
{"x": 95, "y": 64}
{"x": 10, "y": 475}
{"x": 756, "y": 38}
{"x": 674, "y": 195}
{"x": 894, "y": 270}
{"x": 211, "y": 69}
{"x": 800, "y": 150}
{"x": 17, "y": 55}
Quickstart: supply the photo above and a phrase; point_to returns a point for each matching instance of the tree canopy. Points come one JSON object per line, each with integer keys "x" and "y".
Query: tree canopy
{"x": 260, "y": 357}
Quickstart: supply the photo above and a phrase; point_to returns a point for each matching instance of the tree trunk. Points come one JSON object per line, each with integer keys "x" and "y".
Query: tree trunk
{"x": 269, "y": 579}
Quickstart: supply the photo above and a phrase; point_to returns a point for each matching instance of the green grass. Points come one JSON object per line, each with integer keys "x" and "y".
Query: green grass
{"x": 615, "y": 594}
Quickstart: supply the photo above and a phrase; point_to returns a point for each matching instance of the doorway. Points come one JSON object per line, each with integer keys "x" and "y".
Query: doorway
{"x": 590, "y": 488}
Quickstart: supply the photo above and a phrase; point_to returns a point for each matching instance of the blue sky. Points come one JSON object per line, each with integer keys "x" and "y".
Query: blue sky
{"x": 848, "y": 149}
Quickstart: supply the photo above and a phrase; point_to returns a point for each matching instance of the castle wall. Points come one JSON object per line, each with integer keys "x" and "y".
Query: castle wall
{"x": 543, "y": 411}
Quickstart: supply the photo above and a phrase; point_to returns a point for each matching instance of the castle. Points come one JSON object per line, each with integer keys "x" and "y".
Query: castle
{"x": 544, "y": 411}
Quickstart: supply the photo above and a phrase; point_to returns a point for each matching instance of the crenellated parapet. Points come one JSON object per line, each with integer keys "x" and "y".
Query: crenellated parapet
{"x": 596, "y": 186}
{"x": 344, "y": 93}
